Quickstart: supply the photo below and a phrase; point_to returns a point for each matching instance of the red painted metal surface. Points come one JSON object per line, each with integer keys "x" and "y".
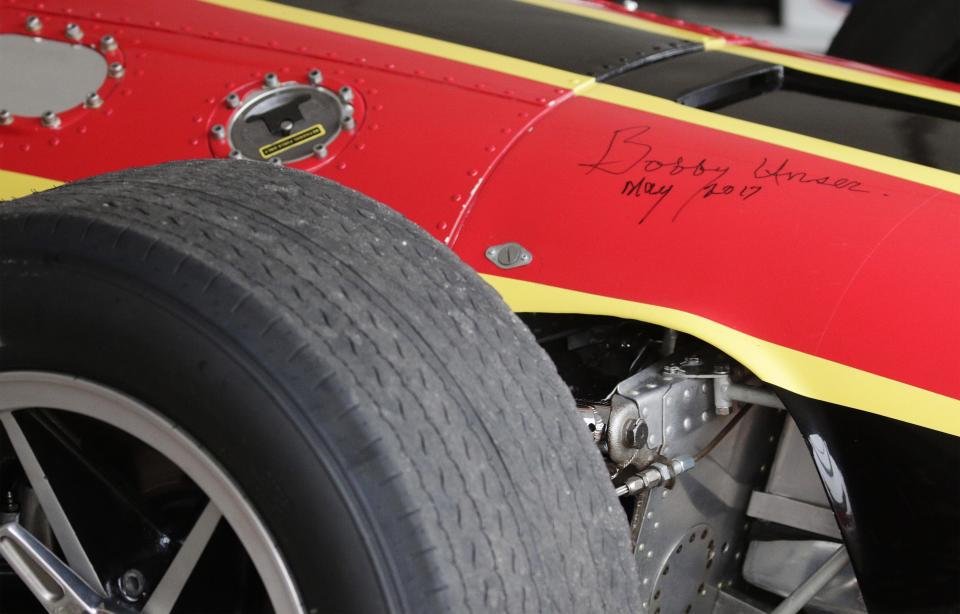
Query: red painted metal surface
{"x": 853, "y": 267}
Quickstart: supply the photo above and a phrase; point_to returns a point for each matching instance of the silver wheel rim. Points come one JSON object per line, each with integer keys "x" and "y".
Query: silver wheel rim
{"x": 30, "y": 389}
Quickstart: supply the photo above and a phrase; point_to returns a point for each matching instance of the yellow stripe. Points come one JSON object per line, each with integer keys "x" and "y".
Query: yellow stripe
{"x": 629, "y": 21}
{"x": 841, "y": 153}
{"x": 14, "y": 185}
{"x": 852, "y": 75}
{"x": 412, "y": 42}
{"x": 798, "y": 372}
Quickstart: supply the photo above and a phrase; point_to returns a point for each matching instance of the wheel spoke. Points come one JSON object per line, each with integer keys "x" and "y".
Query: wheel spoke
{"x": 175, "y": 578}
{"x": 53, "y": 583}
{"x": 62, "y": 529}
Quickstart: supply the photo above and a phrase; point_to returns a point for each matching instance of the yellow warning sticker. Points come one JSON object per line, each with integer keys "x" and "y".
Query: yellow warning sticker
{"x": 288, "y": 142}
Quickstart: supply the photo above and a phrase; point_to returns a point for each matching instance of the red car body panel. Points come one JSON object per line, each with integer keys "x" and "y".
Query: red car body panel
{"x": 825, "y": 258}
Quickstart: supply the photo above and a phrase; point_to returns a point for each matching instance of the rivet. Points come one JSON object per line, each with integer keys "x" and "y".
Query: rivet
{"x": 315, "y": 76}
{"x": 6, "y": 118}
{"x": 218, "y": 132}
{"x": 233, "y": 101}
{"x": 49, "y": 119}
{"x": 34, "y": 24}
{"x": 349, "y": 124}
{"x": 271, "y": 80}
{"x": 93, "y": 100}
{"x": 346, "y": 93}
{"x": 108, "y": 43}
{"x": 74, "y": 32}
{"x": 320, "y": 151}
{"x": 115, "y": 70}
{"x": 276, "y": 161}
{"x": 235, "y": 154}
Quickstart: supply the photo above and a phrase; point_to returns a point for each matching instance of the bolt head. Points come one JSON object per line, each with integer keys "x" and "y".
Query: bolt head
{"x": 218, "y": 132}
{"x": 93, "y": 100}
{"x": 320, "y": 151}
{"x": 315, "y": 76}
{"x": 349, "y": 124}
{"x": 49, "y": 119}
{"x": 271, "y": 79}
{"x": 6, "y": 118}
{"x": 73, "y": 32}
{"x": 286, "y": 126}
{"x": 108, "y": 43}
{"x": 348, "y": 110}
{"x": 235, "y": 154}
{"x": 346, "y": 94}
{"x": 116, "y": 70}
{"x": 276, "y": 161}
{"x": 233, "y": 101}
{"x": 33, "y": 24}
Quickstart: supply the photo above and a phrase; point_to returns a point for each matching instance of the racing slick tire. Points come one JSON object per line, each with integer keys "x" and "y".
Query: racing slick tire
{"x": 394, "y": 428}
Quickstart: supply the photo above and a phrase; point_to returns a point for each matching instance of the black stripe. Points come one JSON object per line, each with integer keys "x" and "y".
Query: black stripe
{"x": 544, "y": 36}
{"x": 904, "y": 127}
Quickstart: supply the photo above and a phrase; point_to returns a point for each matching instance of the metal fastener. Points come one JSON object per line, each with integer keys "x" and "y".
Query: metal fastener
{"x": 74, "y": 32}
{"x": 315, "y": 76}
{"x": 108, "y": 43}
{"x": 235, "y": 154}
{"x": 346, "y": 93}
{"x": 218, "y": 132}
{"x": 286, "y": 126}
{"x": 34, "y": 24}
{"x": 233, "y": 101}
{"x": 93, "y": 100}
{"x": 630, "y": 5}
{"x": 6, "y": 118}
{"x": 348, "y": 110}
{"x": 320, "y": 151}
{"x": 133, "y": 584}
{"x": 49, "y": 119}
{"x": 271, "y": 79}
{"x": 115, "y": 70}
{"x": 276, "y": 161}
{"x": 349, "y": 124}
{"x": 509, "y": 255}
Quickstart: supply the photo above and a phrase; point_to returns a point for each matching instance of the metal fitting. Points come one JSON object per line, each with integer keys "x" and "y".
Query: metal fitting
{"x": 108, "y": 43}
{"x": 218, "y": 132}
{"x": 93, "y": 100}
{"x": 6, "y": 118}
{"x": 656, "y": 474}
{"x": 276, "y": 161}
{"x": 74, "y": 32}
{"x": 233, "y": 101}
{"x": 320, "y": 151}
{"x": 349, "y": 124}
{"x": 271, "y": 80}
{"x": 49, "y": 119}
{"x": 286, "y": 126}
{"x": 235, "y": 154}
{"x": 116, "y": 70}
{"x": 635, "y": 434}
{"x": 630, "y": 5}
{"x": 346, "y": 94}
{"x": 33, "y": 24}
{"x": 132, "y": 584}
{"x": 315, "y": 76}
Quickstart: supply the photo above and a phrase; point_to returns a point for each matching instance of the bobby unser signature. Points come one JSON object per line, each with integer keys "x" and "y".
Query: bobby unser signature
{"x": 627, "y": 152}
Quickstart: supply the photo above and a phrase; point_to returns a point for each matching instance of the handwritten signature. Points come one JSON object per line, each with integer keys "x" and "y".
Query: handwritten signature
{"x": 627, "y": 152}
